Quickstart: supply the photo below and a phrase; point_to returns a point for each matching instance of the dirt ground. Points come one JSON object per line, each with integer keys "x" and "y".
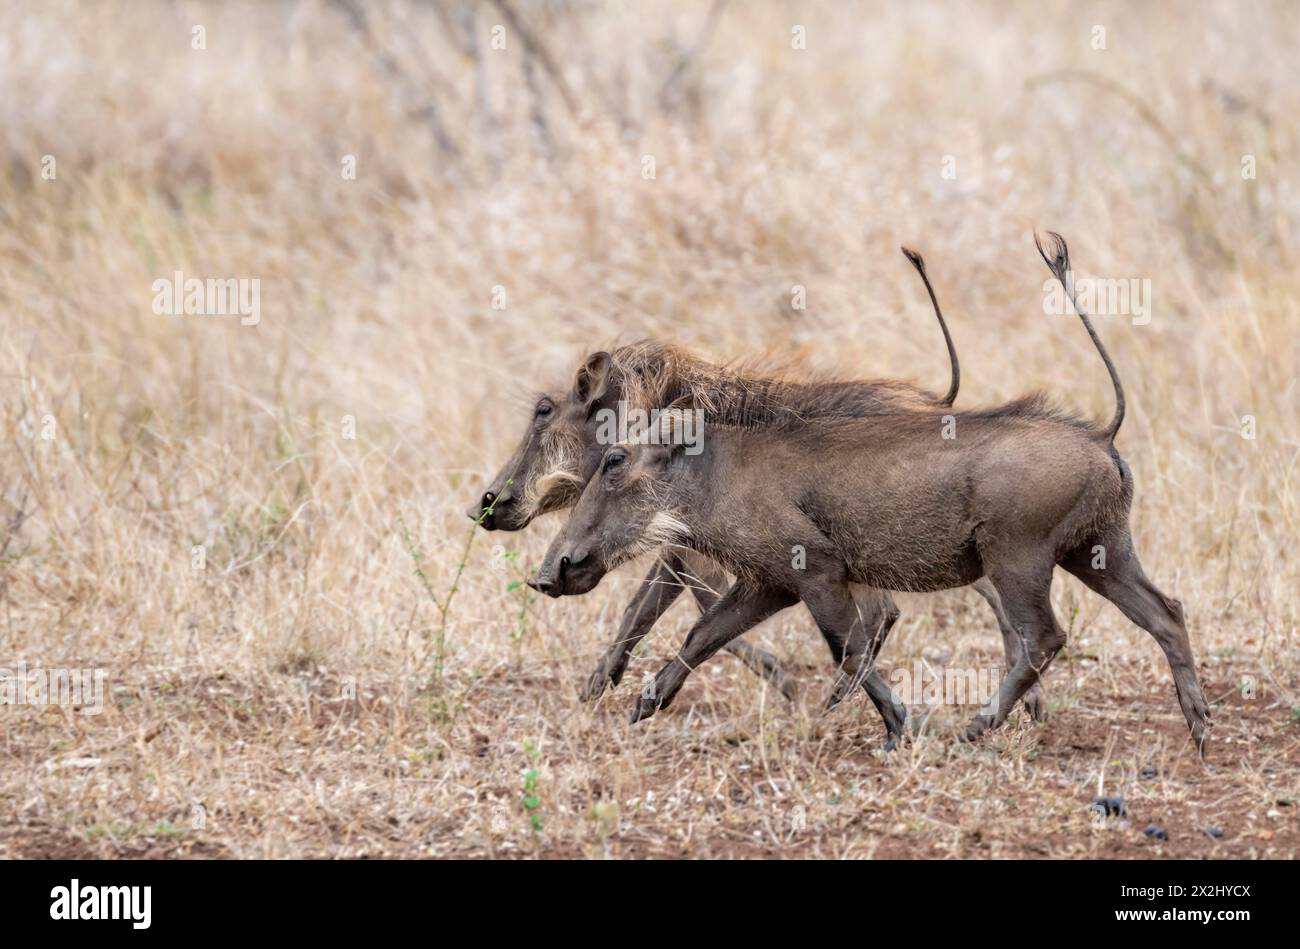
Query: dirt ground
{"x": 206, "y": 764}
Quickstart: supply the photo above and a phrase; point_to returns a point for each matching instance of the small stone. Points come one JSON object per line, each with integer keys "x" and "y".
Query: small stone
{"x": 1109, "y": 806}
{"x": 1156, "y": 832}
{"x": 1212, "y": 831}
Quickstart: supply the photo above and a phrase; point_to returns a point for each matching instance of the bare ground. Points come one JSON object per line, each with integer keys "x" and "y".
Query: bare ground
{"x": 281, "y": 765}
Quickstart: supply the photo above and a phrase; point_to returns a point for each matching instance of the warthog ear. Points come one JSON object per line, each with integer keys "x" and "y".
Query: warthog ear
{"x": 677, "y": 424}
{"x": 592, "y": 378}
{"x": 682, "y": 404}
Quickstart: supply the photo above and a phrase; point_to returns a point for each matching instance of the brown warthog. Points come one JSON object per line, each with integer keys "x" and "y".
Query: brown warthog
{"x": 884, "y": 500}
{"x": 563, "y": 445}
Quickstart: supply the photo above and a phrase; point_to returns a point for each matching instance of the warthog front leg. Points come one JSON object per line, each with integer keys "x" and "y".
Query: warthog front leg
{"x": 658, "y": 591}
{"x": 741, "y": 608}
{"x": 661, "y": 587}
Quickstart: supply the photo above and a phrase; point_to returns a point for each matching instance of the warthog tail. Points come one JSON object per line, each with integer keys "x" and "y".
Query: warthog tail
{"x": 919, "y": 264}
{"x": 1057, "y": 258}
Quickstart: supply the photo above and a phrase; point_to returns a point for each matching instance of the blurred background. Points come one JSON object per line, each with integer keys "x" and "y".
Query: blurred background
{"x": 448, "y": 203}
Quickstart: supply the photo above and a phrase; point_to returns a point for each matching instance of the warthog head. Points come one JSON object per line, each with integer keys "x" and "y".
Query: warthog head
{"x": 557, "y": 454}
{"x": 622, "y": 513}
{"x": 568, "y": 433}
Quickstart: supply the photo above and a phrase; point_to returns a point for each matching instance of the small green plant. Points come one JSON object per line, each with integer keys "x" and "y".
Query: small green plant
{"x": 438, "y": 643}
{"x": 526, "y": 598}
{"x": 165, "y": 828}
{"x": 531, "y": 802}
{"x": 443, "y": 605}
{"x": 113, "y": 829}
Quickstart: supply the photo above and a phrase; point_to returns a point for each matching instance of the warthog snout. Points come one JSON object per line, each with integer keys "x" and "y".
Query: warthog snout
{"x": 495, "y": 510}
{"x": 550, "y": 578}
{"x": 567, "y": 572}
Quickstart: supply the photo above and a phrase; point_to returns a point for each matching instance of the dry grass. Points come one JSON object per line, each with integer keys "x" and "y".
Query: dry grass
{"x": 774, "y": 167}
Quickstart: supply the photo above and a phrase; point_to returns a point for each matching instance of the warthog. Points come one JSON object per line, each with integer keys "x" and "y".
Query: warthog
{"x": 562, "y": 447}
{"x": 884, "y": 500}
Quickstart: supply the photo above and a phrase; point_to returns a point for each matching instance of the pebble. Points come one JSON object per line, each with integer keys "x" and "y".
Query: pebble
{"x": 1109, "y": 806}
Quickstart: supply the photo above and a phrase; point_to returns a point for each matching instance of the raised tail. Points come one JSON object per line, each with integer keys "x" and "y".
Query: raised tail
{"x": 1058, "y": 262}
{"x": 915, "y": 259}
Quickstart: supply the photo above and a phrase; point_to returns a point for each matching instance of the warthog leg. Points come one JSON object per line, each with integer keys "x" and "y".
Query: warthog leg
{"x": 660, "y": 589}
{"x": 855, "y": 635}
{"x": 1024, "y": 585}
{"x": 740, "y": 608}
{"x": 837, "y": 615}
{"x": 1033, "y": 699}
{"x": 1119, "y": 578}
{"x": 875, "y": 616}
{"x": 657, "y": 592}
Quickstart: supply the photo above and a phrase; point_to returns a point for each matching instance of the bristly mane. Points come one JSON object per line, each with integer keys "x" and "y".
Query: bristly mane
{"x": 1034, "y": 405}
{"x": 766, "y": 394}
{"x": 758, "y": 393}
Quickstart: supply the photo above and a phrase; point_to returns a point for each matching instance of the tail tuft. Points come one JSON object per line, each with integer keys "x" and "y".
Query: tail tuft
{"x": 1058, "y": 262}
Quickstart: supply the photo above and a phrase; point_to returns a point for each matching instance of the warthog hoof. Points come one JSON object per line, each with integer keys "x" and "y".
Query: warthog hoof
{"x": 1197, "y": 713}
{"x": 1035, "y": 704}
{"x": 644, "y": 708}
{"x": 776, "y": 675}
{"x": 835, "y": 698}
{"x": 977, "y": 727}
{"x": 596, "y": 685}
{"x": 1201, "y": 735}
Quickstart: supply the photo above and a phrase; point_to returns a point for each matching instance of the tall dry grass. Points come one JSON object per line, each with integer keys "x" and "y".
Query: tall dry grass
{"x": 131, "y": 438}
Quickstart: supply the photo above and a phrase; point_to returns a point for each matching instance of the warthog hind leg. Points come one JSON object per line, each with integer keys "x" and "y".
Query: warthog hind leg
{"x": 1025, "y": 589}
{"x": 1119, "y": 577}
{"x": 1033, "y": 700}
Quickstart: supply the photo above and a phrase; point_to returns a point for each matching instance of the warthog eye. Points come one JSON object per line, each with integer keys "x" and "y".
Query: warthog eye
{"x": 544, "y": 409}
{"x": 614, "y": 459}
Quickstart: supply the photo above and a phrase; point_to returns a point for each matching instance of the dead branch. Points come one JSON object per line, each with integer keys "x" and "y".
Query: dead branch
{"x": 427, "y": 111}
{"x": 668, "y": 92}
